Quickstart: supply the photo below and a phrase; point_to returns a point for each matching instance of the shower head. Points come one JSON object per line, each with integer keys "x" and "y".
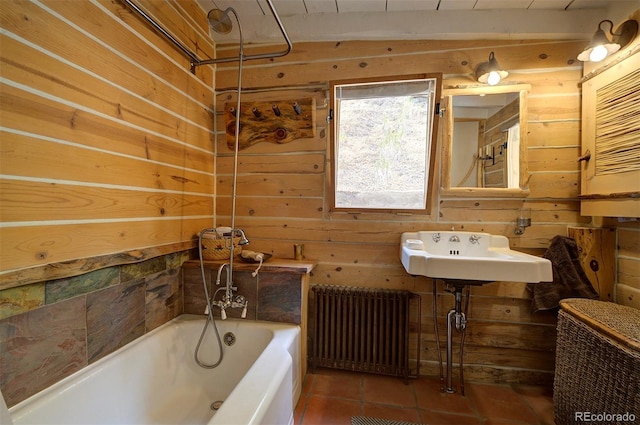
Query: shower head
{"x": 219, "y": 21}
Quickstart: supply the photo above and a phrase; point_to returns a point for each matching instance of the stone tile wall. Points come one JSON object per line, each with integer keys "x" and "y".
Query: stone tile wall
{"x": 51, "y": 329}
{"x": 274, "y": 296}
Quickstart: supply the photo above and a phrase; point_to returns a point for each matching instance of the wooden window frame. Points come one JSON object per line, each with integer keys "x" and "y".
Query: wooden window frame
{"x": 431, "y": 182}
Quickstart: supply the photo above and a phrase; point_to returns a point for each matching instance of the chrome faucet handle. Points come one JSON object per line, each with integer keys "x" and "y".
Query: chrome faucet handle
{"x": 436, "y": 237}
{"x": 241, "y": 302}
{"x": 474, "y": 239}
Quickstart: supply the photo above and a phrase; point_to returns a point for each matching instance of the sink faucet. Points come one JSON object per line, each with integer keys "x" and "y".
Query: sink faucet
{"x": 454, "y": 238}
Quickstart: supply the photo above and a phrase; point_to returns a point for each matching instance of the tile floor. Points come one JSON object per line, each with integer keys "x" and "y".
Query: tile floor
{"x": 332, "y": 397}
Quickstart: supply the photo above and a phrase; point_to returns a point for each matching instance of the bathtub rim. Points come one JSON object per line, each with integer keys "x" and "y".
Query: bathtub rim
{"x": 26, "y": 405}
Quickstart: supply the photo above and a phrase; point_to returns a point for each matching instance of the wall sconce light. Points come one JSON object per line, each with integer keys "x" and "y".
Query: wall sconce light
{"x": 490, "y": 72}
{"x": 523, "y": 221}
{"x": 600, "y": 46}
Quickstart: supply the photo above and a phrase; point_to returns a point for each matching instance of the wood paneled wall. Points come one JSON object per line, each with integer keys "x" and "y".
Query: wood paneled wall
{"x": 107, "y": 138}
{"x": 107, "y": 146}
{"x": 282, "y": 195}
{"x": 627, "y": 289}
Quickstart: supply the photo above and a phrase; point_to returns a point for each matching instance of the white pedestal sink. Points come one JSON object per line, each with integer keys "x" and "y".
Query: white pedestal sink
{"x": 475, "y": 257}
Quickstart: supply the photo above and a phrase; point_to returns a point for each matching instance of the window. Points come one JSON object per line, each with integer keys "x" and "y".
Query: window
{"x": 383, "y": 154}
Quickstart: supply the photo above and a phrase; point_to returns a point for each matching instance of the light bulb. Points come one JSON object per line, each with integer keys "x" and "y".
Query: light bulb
{"x": 494, "y": 78}
{"x": 598, "y": 53}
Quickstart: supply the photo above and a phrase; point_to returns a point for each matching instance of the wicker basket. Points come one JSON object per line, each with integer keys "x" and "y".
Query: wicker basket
{"x": 597, "y": 360}
{"x": 217, "y": 247}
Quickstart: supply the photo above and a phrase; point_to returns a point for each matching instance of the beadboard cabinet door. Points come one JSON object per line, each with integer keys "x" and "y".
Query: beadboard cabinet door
{"x": 610, "y": 170}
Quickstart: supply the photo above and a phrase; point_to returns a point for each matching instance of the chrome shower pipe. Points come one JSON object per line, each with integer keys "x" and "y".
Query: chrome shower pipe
{"x": 234, "y": 188}
{"x": 162, "y": 31}
{"x": 195, "y": 61}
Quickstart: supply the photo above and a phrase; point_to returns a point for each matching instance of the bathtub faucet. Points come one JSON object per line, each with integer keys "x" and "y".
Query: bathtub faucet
{"x": 228, "y": 300}
{"x": 220, "y": 272}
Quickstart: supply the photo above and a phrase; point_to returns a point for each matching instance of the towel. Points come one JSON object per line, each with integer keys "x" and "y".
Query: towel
{"x": 569, "y": 278}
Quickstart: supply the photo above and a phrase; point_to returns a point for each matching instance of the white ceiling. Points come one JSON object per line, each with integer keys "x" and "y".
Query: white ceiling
{"x": 323, "y": 20}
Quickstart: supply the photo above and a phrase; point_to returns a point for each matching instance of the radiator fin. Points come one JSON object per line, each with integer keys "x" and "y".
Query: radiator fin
{"x": 362, "y": 329}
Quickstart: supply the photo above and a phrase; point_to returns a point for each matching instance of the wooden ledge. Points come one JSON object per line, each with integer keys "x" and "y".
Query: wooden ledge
{"x": 274, "y": 264}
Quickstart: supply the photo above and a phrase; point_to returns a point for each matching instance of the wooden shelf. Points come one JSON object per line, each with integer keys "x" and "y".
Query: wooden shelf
{"x": 272, "y": 265}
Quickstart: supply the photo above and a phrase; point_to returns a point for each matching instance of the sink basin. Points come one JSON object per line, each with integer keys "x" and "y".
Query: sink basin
{"x": 470, "y": 256}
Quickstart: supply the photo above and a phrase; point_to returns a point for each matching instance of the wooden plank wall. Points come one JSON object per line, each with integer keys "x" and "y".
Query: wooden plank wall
{"x": 282, "y": 190}
{"x": 107, "y": 147}
{"x": 627, "y": 288}
{"x": 107, "y": 138}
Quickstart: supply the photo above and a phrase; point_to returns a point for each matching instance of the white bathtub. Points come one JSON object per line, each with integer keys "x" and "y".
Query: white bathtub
{"x": 155, "y": 380}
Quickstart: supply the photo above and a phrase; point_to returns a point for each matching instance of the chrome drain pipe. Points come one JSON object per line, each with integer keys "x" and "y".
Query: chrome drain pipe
{"x": 456, "y": 317}
{"x": 449, "y": 389}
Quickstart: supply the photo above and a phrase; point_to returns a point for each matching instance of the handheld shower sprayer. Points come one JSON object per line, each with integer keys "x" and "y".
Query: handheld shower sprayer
{"x": 243, "y": 238}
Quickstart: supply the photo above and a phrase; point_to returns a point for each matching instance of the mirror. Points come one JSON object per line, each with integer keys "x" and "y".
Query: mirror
{"x": 484, "y": 149}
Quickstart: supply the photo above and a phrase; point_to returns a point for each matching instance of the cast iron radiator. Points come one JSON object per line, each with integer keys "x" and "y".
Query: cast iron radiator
{"x": 363, "y": 329}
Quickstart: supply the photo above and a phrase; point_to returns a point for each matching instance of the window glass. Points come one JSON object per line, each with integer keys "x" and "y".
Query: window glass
{"x": 382, "y": 143}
